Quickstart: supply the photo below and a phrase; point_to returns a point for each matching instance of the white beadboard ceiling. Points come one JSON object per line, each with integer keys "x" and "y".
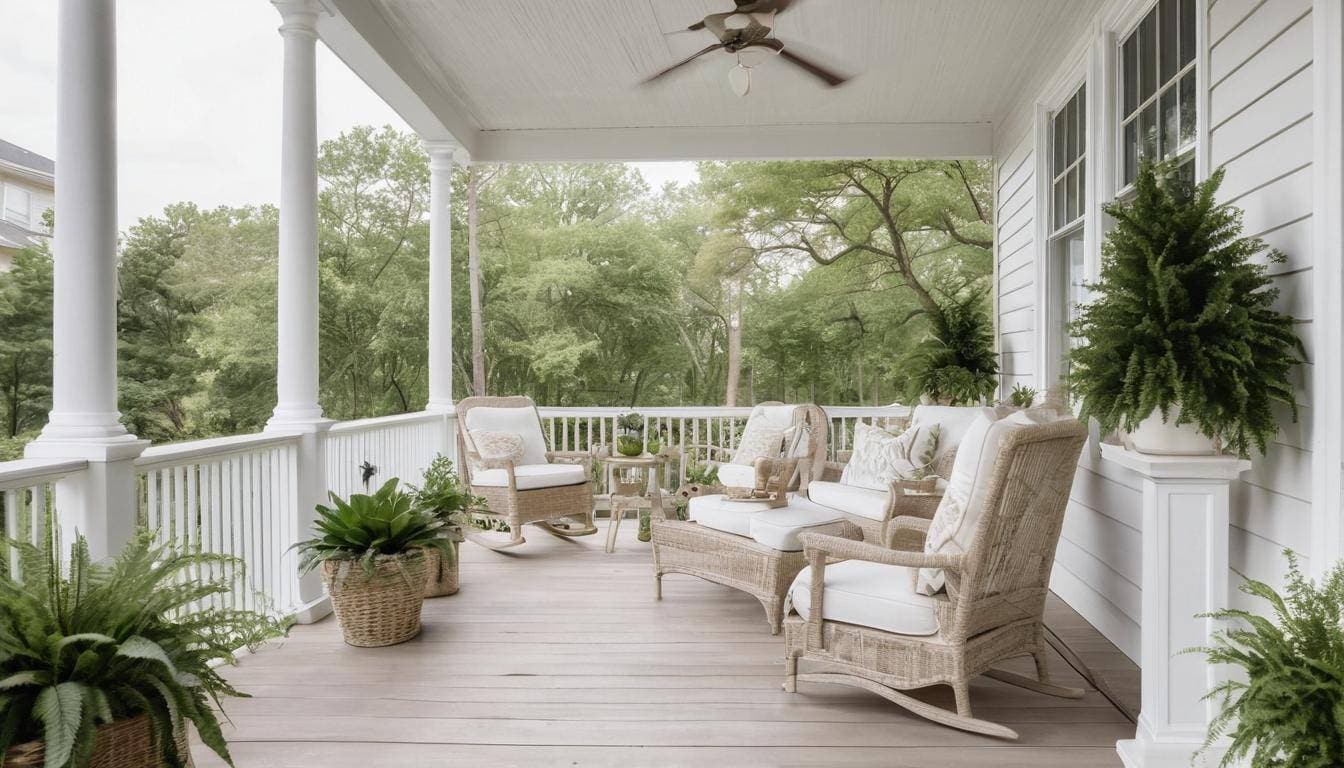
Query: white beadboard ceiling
{"x": 560, "y": 79}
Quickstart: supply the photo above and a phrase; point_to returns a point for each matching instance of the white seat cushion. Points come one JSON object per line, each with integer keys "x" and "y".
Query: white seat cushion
{"x": 870, "y": 595}
{"x": 779, "y": 528}
{"x": 775, "y": 528}
{"x": 737, "y": 475}
{"x": 522, "y": 421}
{"x": 864, "y": 502}
{"x": 532, "y": 476}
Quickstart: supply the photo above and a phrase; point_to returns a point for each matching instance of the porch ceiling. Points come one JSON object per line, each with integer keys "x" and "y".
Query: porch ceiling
{"x": 527, "y": 80}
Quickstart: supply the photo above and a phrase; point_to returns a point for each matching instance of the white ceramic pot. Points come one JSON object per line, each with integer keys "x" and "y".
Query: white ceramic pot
{"x": 1153, "y": 435}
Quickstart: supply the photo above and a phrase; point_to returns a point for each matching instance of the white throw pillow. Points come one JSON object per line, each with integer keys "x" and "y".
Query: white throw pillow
{"x": 879, "y": 457}
{"x": 759, "y": 440}
{"x": 952, "y": 530}
{"x": 521, "y": 420}
{"x": 495, "y": 445}
{"x": 953, "y": 420}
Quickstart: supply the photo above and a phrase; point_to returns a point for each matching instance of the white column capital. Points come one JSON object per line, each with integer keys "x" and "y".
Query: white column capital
{"x": 444, "y": 155}
{"x": 299, "y": 16}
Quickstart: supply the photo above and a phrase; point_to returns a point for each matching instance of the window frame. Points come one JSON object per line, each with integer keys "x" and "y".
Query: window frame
{"x": 10, "y": 189}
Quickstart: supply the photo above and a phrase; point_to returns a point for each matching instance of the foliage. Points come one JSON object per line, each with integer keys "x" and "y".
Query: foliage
{"x": 1288, "y": 712}
{"x": 1183, "y": 317}
{"x": 630, "y": 423}
{"x": 1022, "y": 396}
{"x": 111, "y": 641}
{"x": 25, "y": 345}
{"x": 702, "y": 474}
{"x": 367, "y": 526}
{"x": 443, "y": 495}
{"x": 956, "y": 363}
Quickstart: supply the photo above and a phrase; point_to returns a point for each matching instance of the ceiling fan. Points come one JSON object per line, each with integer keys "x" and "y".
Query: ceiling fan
{"x": 749, "y": 25}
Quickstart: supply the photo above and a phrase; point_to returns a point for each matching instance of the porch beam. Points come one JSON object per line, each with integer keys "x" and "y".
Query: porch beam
{"x": 443, "y": 156}
{"x": 780, "y": 142}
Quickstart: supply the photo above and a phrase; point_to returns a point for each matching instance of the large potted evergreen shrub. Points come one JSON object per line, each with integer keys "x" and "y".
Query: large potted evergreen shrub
{"x": 371, "y": 548}
{"x": 105, "y": 664}
{"x": 1182, "y": 347}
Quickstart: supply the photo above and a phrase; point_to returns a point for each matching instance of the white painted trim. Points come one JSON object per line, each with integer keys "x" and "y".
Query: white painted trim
{"x": 1043, "y": 272}
{"x": 791, "y": 142}
{"x": 1328, "y": 269}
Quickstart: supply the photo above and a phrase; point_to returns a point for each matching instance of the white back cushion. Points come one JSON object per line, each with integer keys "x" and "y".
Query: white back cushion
{"x": 953, "y": 420}
{"x": 797, "y": 444}
{"x": 880, "y": 457}
{"x": 522, "y": 421}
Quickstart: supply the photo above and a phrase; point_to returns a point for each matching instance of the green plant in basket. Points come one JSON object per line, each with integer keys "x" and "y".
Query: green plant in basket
{"x": 107, "y": 642}
{"x": 1287, "y": 710}
{"x": 443, "y": 495}
{"x": 367, "y": 526}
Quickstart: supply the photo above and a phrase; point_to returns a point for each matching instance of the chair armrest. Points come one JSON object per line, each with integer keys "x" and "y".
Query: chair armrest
{"x": 504, "y": 464}
{"x": 923, "y": 505}
{"x": 837, "y": 548}
{"x": 581, "y": 458}
{"x": 907, "y": 533}
{"x": 924, "y": 485}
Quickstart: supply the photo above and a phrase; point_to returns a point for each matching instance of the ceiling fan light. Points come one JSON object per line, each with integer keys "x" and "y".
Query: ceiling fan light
{"x": 738, "y": 21}
{"x": 739, "y": 79}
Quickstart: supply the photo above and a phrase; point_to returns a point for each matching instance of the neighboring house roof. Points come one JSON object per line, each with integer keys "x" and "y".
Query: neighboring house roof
{"x": 14, "y": 236}
{"x": 13, "y": 154}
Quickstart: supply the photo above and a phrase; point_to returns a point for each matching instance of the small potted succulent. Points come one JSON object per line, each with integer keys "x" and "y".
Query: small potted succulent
{"x": 443, "y": 495}
{"x": 1022, "y": 396}
{"x": 630, "y": 434}
{"x": 107, "y": 663}
{"x": 371, "y": 549}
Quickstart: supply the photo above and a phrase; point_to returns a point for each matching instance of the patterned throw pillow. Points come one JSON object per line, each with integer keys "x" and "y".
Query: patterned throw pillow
{"x": 881, "y": 458}
{"x": 759, "y": 440}
{"x": 496, "y": 445}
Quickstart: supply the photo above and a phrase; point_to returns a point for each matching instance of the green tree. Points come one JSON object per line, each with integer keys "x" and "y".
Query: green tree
{"x": 25, "y": 348}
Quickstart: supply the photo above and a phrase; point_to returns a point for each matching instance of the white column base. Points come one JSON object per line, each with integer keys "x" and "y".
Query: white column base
{"x": 1185, "y": 573}
{"x": 101, "y": 503}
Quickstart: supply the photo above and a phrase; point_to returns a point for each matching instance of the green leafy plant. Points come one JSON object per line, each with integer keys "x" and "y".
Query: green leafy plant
{"x": 443, "y": 495}
{"x": 1288, "y": 712}
{"x": 956, "y": 364}
{"x": 702, "y": 474}
{"x": 367, "y": 526}
{"x": 116, "y": 640}
{"x": 1022, "y": 396}
{"x": 1183, "y": 317}
{"x": 630, "y": 423}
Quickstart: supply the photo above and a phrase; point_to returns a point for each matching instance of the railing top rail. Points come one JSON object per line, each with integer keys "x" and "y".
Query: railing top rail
{"x": 23, "y": 473}
{"x": 701, "y": 411}
{"x": 173, "y": 454}
{"x": 359, "y": 425}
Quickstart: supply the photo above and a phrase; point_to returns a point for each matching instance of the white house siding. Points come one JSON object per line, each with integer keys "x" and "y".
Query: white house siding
{"x": 1259, "y": 120}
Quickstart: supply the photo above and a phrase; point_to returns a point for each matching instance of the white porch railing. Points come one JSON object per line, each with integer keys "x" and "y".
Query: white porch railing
{"x": 27, "y": 493}
{"x": 399, "y": 446}
{"x": 235, "y": 496}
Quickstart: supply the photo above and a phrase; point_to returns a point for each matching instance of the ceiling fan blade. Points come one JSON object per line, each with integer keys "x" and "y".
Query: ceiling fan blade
{"x": 685, "y": 61}
{"x": 828, "y": 76}
{"x": 762, "y": 6}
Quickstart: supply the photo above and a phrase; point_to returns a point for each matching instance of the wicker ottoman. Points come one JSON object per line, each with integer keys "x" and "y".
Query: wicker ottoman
{"x": 758, "y": 554}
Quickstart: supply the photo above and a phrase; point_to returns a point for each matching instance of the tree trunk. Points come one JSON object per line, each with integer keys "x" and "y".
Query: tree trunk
{"x": 734, "y": 344}
{"x": 860, "y": 378}
{"x": 474, "y": 280}
{"x": 751, "y": 385}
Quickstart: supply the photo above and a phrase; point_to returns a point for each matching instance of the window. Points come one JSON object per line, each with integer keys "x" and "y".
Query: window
{"x": 1068, "y": 211}
{"x": 1157, "y": 90}
{"x": 17, "y": 203}
{"x": 1068, "y": 133}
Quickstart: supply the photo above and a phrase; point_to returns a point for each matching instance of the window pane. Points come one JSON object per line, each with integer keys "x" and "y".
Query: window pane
{"x": 1081, "y": 98}
{"x": 1061, "y": 201}
{"x": 1148, "y": 56}
{"x": 1187, "y": 31}
{"x": 1071, "y": 209}
{"x": 1188, "y": 108}
{"x": 17, "y": 202}
{"x": 1130, "y": 56}
{"x": 1148, "y": 132}
{"x": 1071, "y": 131}
{"x": 1077, "y": 294}
{"x": 1082, "y": 187}
{"x": 1058, "y": 140}
{"x": 1171, "y": 122}
{"x": 1166, "y": 31}
{"x": 1131, "y": 150}
{"x": 1186, "y": 170}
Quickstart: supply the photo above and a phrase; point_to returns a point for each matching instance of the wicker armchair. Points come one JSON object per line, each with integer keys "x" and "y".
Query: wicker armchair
{"x": 810, "y": 449}
{"x": 995, "y": 591}
{"x": 539, "y": 489}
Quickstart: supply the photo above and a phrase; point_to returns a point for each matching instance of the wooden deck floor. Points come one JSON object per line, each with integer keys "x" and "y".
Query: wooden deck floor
{"x": 559, "y": 655}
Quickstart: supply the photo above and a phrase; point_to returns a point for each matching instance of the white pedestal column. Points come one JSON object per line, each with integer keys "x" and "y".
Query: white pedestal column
{"x": 442, "y": 161}
{"x": 84, "y": 422}
{"x": 1185, "y": 573}
{"x": 297, "y": 409}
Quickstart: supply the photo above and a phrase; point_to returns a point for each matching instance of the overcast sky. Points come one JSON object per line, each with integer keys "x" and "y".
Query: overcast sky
{"x": 198, "y": 99}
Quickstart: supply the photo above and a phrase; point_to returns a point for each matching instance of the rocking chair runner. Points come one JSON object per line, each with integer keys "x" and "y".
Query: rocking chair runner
{"x": 993, "y": 608}
{"x": 550, "y": 489}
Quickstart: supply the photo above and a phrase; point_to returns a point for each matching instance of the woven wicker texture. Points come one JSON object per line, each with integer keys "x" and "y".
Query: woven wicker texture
{"x": 382, "y": 608}
{"x": 128, "y": 743}
{"x": 995, "y": 597}
{"x": 441, "y": 578}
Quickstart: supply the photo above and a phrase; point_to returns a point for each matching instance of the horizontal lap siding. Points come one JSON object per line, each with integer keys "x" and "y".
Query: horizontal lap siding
{"x": 1016, "y": 270}
{"x": 1260, "y": 71}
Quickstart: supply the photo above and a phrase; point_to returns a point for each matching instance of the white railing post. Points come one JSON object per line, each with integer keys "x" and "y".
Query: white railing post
{"x": 98, "y": 502}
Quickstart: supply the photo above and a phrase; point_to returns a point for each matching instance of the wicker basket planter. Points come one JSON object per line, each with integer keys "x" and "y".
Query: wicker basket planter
{"x": 128, "y": 743}
{"x": 441, "y": 579}
{"x": 378, "y": 609}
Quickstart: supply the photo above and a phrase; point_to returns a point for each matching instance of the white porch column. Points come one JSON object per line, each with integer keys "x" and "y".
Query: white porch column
{"x": 1185, "y": 573}
{"x": 296, "y": 408}
{"x": 84, "y": 422}
{"x": 442, "y": 160}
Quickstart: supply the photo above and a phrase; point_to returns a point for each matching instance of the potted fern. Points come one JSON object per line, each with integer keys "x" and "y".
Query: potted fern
{"x": 1287, "y": 706}
{"x": 371, "y": 549}
{"x": 106, "y": 664}
{"x": 1182, "y": 347}
{"x": 956, "y": 364}
{"x": 443, "y": 495}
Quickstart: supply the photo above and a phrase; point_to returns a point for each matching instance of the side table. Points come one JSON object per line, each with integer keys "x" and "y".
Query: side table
{"x": 624, "y": 481}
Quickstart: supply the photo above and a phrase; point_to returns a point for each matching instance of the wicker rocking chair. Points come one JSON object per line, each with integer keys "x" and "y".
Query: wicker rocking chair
{"x": 995, "y": 591}
{"x": 810, "y": 449}
{"x": 550, "y": 489}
